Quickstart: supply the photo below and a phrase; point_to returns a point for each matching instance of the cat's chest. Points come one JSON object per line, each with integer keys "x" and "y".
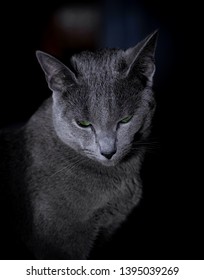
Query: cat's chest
{"x": 67, "y": 188}
{"x": 70, "y": 191}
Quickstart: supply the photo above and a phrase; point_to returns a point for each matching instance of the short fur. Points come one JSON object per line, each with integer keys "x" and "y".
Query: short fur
{"x": 63, "y": 191}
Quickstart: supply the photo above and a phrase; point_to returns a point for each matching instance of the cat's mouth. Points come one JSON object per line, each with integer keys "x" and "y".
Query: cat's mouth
{"x": 99, "y": 158}
{"x": 115, "y": 160}
{"x": 102, "y": 160}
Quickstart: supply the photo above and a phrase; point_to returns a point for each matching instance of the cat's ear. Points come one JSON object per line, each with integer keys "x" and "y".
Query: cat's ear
{"x": 141, "y": 57}
{"x": 58, "y": 76}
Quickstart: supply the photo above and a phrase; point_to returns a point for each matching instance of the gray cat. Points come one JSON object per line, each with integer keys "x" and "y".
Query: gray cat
{"x": 71, "y": 174}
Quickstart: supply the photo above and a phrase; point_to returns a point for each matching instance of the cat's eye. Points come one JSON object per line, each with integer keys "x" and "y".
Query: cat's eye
{"x": 126, "y": 119}
{"x": 84, "y": 123}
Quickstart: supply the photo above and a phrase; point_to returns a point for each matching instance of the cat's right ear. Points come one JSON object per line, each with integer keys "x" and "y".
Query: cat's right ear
{"x": 141, "y": 57}
{"x": 57, "y": 75}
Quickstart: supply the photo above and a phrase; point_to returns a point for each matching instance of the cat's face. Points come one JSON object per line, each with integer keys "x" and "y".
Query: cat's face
{"x": 104, "y": 100}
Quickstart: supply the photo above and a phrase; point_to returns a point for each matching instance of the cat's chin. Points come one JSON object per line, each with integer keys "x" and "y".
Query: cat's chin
{"x": 105, "y": 162}
{"x": 108, "y": 162}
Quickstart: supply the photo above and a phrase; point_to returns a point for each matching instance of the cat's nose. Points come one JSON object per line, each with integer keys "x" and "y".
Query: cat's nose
{"x": 109, "y": 154}
{"x": 107, "y": 145}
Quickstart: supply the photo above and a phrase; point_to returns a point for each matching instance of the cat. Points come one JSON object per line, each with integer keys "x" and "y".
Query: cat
{"x": 71, "y": 174}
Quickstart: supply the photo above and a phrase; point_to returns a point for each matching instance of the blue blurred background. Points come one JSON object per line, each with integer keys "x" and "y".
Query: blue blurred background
{"x": 169, "y": 213}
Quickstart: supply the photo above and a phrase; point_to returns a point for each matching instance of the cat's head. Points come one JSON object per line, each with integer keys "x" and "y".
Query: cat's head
{"x": 103, "y": 100}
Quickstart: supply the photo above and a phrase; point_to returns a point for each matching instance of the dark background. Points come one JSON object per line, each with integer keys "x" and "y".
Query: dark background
{"x": 168, "y": 222}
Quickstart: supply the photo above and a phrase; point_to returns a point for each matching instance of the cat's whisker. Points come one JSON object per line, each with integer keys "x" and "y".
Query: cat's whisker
{"x": 144, "y": 146}
{"x": 77, "y": 162}
{"x": 70, "y": 167}
{"x": 58, "y": 171}
{"x": 90, "y": 153}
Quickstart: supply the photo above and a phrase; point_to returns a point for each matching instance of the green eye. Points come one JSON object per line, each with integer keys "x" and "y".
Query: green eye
{"x": 83, "y": 123}
{"x": 126, "y": 120}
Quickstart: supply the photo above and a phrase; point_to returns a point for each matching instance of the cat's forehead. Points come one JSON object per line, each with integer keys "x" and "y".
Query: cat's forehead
{"x": 103, "y": 89}
{"x": 101, "y": 61}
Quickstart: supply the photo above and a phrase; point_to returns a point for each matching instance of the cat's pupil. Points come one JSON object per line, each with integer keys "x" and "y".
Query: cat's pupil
{"x": 84, "y": 123}
{"x": 126, "y": 119}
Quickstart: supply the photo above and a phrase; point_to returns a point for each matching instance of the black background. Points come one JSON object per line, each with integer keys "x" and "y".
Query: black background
{"x": 168, "y": 222}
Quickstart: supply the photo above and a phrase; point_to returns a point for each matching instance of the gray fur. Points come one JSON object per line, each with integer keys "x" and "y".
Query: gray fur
{"x": 66, "y": 192}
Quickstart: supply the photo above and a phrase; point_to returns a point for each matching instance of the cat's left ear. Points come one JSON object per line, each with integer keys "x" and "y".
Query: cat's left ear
{"x": 141, "y": 57}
